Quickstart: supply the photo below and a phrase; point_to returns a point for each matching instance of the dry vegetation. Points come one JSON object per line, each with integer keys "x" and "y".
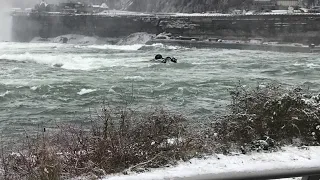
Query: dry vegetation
{"x": 269, "y": 117}
{"x": 119, "y": 140}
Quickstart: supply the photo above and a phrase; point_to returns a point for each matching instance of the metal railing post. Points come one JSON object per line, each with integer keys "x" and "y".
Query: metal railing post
{"x": 311, "y": 177}
{"x": 306, "y": 173}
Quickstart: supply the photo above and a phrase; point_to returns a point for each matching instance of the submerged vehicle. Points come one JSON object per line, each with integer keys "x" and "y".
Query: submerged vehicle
{"x": 160, "y": 59}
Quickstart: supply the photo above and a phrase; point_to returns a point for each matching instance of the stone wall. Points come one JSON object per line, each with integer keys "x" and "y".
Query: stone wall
{"x": 284, "y": 28}
{"x": 290, "y": 28}
{"x": 26, "y": 27}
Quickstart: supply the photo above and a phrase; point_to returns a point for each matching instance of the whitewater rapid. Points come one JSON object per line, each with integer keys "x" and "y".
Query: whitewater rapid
{"x": 47, "y": 83}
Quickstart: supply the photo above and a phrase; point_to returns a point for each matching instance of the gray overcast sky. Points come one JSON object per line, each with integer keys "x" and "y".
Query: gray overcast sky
{"x": 32, "y": 3}
{"x": 27, "y": 3}
{"x": 17, "y": 3}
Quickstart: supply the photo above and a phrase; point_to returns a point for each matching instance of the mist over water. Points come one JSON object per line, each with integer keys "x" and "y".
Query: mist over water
{"x": 6, "y": 20}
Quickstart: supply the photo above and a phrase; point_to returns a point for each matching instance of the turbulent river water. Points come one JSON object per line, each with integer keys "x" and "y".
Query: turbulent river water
{"x": 48, "y": 83}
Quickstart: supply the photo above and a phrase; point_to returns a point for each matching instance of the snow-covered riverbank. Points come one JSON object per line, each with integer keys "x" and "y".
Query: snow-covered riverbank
{"x": 290, "y": 158}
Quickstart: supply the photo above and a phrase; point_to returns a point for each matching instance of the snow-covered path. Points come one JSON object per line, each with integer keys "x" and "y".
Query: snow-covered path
{"x": 290, "y": 158}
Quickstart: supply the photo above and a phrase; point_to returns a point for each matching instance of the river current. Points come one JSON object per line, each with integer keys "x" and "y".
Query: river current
{"x": 48, "y": 83}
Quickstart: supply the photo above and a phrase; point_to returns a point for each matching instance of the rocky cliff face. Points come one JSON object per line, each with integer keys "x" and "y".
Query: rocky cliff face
{"x": 187, "y": 6}
{"x": 151, "y": 5}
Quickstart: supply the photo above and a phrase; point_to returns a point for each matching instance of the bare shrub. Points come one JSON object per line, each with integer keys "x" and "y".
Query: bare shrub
{"x": 270, "y": 112}
{"x": 118, "y": 141}
{"x": 36, "y": 159}
{"x": 134, "y": 142}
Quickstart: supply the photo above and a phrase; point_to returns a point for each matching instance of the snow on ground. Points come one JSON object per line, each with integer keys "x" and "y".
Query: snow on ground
{"x": 289, "y": 158}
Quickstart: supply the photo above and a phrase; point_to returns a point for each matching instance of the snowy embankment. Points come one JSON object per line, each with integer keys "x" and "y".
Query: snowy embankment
{"x": 289, "y": 158}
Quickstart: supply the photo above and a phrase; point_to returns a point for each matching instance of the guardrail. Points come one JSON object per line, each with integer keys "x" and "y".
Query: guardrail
{"x": 307, "y": 174}
{"x": 162, "y": 15}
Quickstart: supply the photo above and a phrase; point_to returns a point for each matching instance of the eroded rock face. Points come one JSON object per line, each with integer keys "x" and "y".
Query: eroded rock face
{"x": 119, "y": 4}
{"x": 174, "y": 5}
{"x": 187, "y": 6}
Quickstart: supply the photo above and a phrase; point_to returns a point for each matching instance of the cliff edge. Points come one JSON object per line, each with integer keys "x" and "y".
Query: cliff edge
{"x": 186, "y": 6}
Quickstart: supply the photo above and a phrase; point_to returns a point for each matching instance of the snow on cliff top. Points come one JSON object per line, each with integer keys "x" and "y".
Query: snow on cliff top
{"x": 290, "y": 158}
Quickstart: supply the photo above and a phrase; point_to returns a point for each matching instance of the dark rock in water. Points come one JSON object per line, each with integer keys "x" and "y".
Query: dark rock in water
{"x": 312, "y": 45}
{"x": 163, "y": 35}
{"x": 160, "y": 59}
{"x": 158, "y": 56}
{"x": 171, "y": 59}
{"x": 174, "y": 60}
{"x": 43, "y": 39}
{"x": 64, "y": 40}
{"x": 136, "y": 38}
{"x": 58, "y": 65}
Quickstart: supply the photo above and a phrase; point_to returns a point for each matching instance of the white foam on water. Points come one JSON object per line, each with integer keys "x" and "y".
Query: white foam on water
{"x": 298, "y": 64}
{"x": 72, "y": 61}
{"x": 134, "y": 78}
{"x": 50, "y": 45}
{"x": 170, "y": 47}
{"x": 29, "y": 46}
{"x": 86, "y": 91}
{"x": 76, "y": 39}
{"x": 162, "y": 84}
{"x": 40, "y": 53}
{"x": 181, "y": 90}
{"x": 34, "y": 88}
{"x": 73, "y": 39}
{"x": 312, "y": 65}
{"x": 4, "y": 94}
{"x": 136, "y": 38}
{"x": 111, "y": 90}
{"x": 134, "y": 47}
{"x": 15, "y": 69}
{"x": 308, "y": 65}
